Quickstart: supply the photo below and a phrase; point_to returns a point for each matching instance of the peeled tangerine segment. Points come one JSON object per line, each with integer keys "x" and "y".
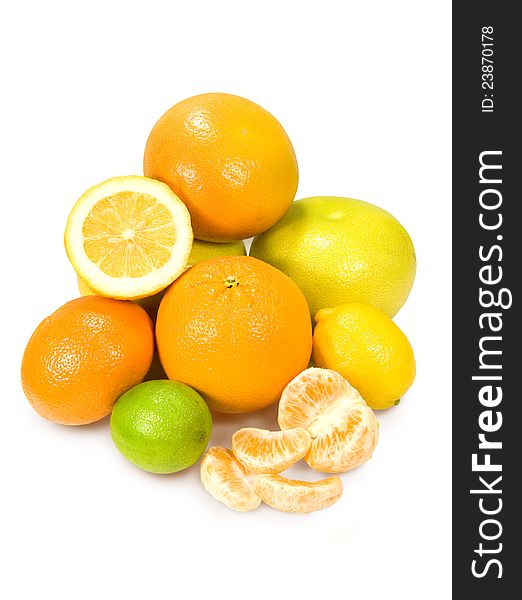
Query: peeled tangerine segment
{"x": 346, "y": 444}
{"x": 290, "y": 495}
{"x": 263, "y": 451}
{"x": 227, "y": 480}
{"x": 344, "y": 428}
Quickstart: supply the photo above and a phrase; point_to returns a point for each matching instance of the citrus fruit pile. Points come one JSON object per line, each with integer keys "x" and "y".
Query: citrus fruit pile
{"x": 175, "y": 320}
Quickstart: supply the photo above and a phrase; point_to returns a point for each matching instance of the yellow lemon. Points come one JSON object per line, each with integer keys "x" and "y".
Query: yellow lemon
{"x": 83, "y": 288}
{"x": 202, "y": 250}
{"x": 149, "y": 303}
{"x": 128, "y": 237}
{"x": 368, "y": 349}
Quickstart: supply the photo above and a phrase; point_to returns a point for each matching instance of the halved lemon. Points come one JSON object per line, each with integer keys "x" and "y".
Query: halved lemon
{"x": 128, "y": 237}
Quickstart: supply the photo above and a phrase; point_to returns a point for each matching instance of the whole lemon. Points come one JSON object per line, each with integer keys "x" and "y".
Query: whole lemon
{"x": 202, "y": 250}
{"x": 149, "y": 303}
{"x": 368, "y": 349}
{"x": 340, "y": 250}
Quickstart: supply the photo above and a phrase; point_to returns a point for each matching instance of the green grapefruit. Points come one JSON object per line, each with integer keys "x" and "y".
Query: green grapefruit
{"x": 339, "y": 251}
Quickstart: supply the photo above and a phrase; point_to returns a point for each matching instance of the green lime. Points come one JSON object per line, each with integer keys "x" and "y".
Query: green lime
{"x": 340, "y": 251}
{"x": 161, "y": 426}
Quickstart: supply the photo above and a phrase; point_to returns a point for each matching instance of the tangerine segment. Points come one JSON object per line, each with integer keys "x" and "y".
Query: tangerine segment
{"x": 226, "y": 479}
{"x": 128, "y": 237}
{"x": 291, "y": 495}
{"x": 344, "y": 429}
{"x": 263, "y": 451}
{"x": 346, "y": 444}
{"x": 316, "y": 398}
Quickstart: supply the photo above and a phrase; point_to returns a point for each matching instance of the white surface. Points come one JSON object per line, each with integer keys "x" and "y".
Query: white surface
{"x": 362, "y": 89}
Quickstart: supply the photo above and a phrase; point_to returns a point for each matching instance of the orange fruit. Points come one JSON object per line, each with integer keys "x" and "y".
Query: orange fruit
{"x": 227, "y": 481}
{"x": 229, "y": 160}
{"x": 84, "y": 356}
{"x": 343, "y": 427}
{"x": 235, "y": 329}
{"x": 290, "y": 495}
{"x": 262, "y": 451}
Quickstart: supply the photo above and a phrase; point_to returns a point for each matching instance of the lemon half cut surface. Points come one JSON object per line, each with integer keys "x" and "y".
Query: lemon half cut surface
{"x": 129, "y": 237}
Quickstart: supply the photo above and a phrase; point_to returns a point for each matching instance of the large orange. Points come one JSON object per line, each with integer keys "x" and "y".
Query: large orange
{"x": 229, "y": 160}
{"x": 84, "y": 356}
{"x": 236, "y": 329}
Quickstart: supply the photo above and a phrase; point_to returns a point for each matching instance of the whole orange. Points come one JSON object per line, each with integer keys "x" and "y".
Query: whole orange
{"x": 237, "y": 330}
{"x": 229, "y": 160}
{"x": 84, "y": 356}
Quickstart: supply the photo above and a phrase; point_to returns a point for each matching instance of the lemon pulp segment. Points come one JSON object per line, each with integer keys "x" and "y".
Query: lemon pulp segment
{"x": 129, "y": 234}
{"x": 128, "y": 237}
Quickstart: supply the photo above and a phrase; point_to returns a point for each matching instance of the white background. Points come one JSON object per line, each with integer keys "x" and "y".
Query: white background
{"x": 363, "y": 90}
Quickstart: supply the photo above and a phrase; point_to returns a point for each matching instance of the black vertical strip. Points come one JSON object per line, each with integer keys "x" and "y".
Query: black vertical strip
{"x": 487, "y": 332}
